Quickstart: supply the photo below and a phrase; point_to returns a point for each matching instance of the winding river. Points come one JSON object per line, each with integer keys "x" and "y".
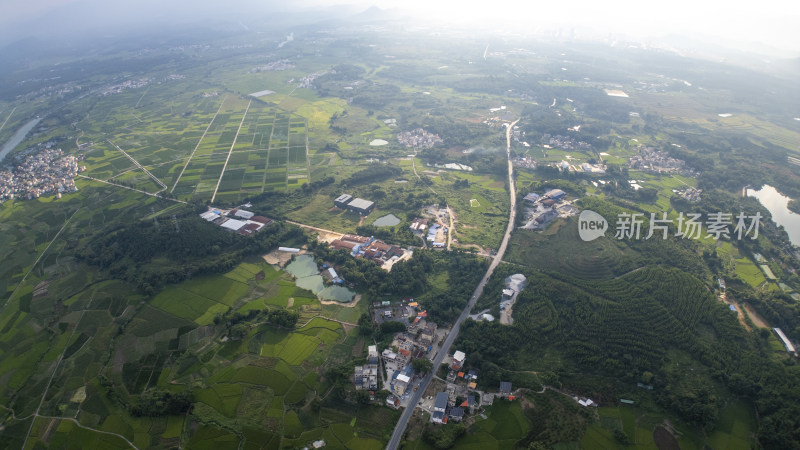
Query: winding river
{"x": 777, "y": 204}
{"x": 18, "y": 137}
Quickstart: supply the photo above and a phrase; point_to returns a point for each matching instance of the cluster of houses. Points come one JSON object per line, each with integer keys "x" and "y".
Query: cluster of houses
{"x": 691, "y": 194}
{"x": 436, "y": 232}
{"x": 652, "y": 160}
{"x": 127, "y": 84}
{"x": 416, "y": 342}
{"x": 236, "y": 220}
{"x": 366, "y": 376}
{"x": 514, "y": 285}
{"x": 543, "y": 209}
{"x": 418, "y": 225}
{"x": 525, "y": 162}
{"x": 462, "y": 385}
{"x": 279, "y": 65}
{"x": 593, "y": 168}
{"x": 356, "y": 205}
{"x": 44, "y": 173}
{"x": 567, "y": 166}
{"x": 516, "y": 134}
{"x": 418, "y": 138}
{"x": 370, "y": 248}
{"x": 445, "y": 410}
{"x": 437, "y": 236}
{"x": 564, "y": 142}
{"x": 444, "y": 407}
{"x": 461, "y": 396}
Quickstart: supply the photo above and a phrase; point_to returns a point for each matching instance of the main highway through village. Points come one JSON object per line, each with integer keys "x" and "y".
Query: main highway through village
{"x": 400, "y": 428}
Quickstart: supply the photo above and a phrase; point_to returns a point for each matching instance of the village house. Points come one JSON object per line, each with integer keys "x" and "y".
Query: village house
{"x": 439, "y": 408}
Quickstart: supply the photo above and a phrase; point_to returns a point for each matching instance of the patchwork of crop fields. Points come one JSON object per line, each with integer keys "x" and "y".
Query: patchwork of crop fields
{"x": 259, "y": 147}
{"x": 223, "y": 147}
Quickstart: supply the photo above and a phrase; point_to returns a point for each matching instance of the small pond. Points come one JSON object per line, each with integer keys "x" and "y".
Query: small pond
{"x": 387, "y": 221}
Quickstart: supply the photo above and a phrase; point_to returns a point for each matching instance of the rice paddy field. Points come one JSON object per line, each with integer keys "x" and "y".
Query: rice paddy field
{"x": 255, "y": 391}
{"x": 736, "y": 424}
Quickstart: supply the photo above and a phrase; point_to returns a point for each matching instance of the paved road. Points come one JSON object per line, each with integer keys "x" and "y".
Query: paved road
{"x": 400, "y": 428}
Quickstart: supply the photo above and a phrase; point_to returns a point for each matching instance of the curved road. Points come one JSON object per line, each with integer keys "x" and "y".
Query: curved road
{"x": 400, "y": 428}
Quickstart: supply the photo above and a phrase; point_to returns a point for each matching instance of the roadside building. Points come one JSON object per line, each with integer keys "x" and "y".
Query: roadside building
{"x": 393, "y": 401}
{"x": 439, "y": 408}
{"x": 532, "y": 197}
{"x": 401, "y": 384}
{"x": 458, "y": 360}
{"x": 428, "y": 334}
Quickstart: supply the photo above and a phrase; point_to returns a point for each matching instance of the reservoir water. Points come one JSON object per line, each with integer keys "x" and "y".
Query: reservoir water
{"x": 777, "y": 204}
{"x": 18, "y": 137}
{"x": 304, "y": 268}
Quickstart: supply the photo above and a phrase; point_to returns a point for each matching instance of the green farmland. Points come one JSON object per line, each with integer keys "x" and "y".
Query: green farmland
{"x": 255, "y": 390}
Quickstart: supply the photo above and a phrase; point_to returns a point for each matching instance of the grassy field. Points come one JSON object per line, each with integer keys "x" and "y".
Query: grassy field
{"x": 749, "y": 272}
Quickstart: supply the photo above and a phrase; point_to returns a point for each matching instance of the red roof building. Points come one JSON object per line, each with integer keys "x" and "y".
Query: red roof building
{"x": 261, "y": 219}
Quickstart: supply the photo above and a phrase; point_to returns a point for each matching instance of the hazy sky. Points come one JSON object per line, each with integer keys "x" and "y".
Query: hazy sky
{"x": 772, "y": 22}
{"x": 732, "y": 22}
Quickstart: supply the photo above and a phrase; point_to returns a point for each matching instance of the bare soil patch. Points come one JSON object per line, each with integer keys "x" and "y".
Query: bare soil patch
{"x": 664, "y": 439}
{"x": 346, "y": 305}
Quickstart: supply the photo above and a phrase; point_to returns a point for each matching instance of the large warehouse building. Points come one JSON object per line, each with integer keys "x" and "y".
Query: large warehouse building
{"x": 361, "y": 206}
{"x": 357, "y": 205}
